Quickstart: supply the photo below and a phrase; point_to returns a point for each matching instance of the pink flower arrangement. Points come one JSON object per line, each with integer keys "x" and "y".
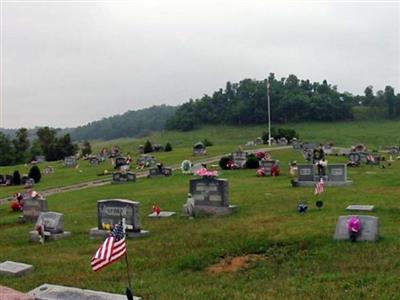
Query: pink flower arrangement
{"x": 205, "y": 173}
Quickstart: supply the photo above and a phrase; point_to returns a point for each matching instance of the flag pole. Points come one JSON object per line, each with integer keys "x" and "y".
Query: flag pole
{"x": 269, "y": 113}
{"x": 129, "y": 293}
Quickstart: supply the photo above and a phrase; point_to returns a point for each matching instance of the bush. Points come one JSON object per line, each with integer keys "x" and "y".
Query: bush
{"x": 207, "y": 143}
{"x": 148, "y": 148}
{"x": 223, "y": 162}
{"x": 168, "y": 147}
{"x": 278, "y": 133}
{"x": 35, "y": 174}
{"x": 16, "y": 178}
{"x": 252, "y": 162}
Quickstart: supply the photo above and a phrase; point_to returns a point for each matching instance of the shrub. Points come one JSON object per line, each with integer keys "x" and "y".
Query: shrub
{"x": 252, "y": 162}
{"x": 168, "y": 147}
{"x": 207, "y": 143}
{"x": 35, "y": 174}
{"x": 223, "y": 162}
{"x": 278, "y": 133}
{"x": 148, "y": 147}
{"x": 16, "y": 178}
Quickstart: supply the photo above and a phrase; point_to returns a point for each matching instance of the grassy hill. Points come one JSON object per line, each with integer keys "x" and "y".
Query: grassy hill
{"x": 298, "y": 259}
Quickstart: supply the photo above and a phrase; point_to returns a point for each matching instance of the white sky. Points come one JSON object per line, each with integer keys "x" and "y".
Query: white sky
{"x": 66, "y": 63}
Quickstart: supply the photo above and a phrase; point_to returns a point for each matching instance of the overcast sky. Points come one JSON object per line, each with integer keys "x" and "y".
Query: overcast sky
{"x": 66, "y": 63}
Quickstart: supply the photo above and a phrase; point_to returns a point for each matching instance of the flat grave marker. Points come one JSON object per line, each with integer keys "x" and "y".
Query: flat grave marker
{"x": 15, "y": 268}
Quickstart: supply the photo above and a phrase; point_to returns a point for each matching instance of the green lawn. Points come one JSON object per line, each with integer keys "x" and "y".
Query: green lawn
{"x": 299, "y": 258}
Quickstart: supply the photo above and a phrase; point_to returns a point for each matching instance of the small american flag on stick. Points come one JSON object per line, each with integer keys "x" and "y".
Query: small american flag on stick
{"x": 113, "y": 248}
{"x": 319, "y": 187}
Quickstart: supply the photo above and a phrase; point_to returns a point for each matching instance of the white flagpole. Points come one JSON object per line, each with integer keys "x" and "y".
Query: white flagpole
{"x": 269, "y": 114}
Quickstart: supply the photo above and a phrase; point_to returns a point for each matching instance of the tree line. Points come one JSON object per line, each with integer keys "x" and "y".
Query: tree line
{"x": 21, "y": 149}
{"x": 291, "y": 100}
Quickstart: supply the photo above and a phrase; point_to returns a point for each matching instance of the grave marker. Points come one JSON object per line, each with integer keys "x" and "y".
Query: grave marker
{"x": 70, "y": 162}
{"x": 14, "y": 268}
{"x": 53, "y": 224}
{"x": 369, "y": 228}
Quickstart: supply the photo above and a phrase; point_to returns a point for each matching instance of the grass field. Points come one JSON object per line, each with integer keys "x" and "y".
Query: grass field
{"x": 298, "y": 257}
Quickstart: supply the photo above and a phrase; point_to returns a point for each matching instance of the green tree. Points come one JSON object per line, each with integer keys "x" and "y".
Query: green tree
{"x": 47, "y": 139}
{"x": 21, "y": 145}
{"x": 168, "y": 147}
{"x": 7, "y": 155}
{"x": 16, "y": 178}
{"x": 390, "y": 100}
{"x": 35, "y": 174}
{"x": 86, "y": 148}
{"x": 148, "y": 147}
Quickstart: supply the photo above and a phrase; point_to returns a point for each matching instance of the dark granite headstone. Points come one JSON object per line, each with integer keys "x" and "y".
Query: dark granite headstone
{"x": 111, "y": 211}
{"x": 153, "y": 172}
{"x": 199, "y": 149}
{"x": 147, "y": 161}
{"x": 337, "y": 172}
{"x": 123, "y": 177}
{"x": 306, "y": 172}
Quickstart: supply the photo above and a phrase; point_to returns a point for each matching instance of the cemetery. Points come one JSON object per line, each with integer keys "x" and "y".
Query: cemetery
{"x": 204, "y": 221}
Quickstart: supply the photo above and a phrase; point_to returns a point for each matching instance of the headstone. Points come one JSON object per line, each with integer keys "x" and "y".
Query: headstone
{"x": 162, "y": 214}
{"x": 33, "y": 207}
{"x": 53, "y": 224}
{"x": 14, "y": 268}
{"x": 123, "y": 177}
{"x": 295, "y": 144}
{"x": 39, "y": 158}
{"x": 70, "y": 161}
{"x": 94, "y": 161}
{"x": 240, "y": 158}
{"x": 110, "y": 212}
{"x": 158, "y": 148}
{"x": 58, "y": 292}
{"x": 337, "y": 172}
{"x": 154, "y": 172}
{"x": 283, "y": 141}
{"x": 369, "y": 228}
{"x": 358, "y": 157}
{"x": 48, "y": 170}
{"x": 306, "y": 172}
{"x": 211, "y": 196}
{"x": 328, "y": 149}
{"x": 147, "y": 161}
{"x": 360, "y": 207}
{"x": 267, "y": 166}
{"x": 199, "y": 149}
{"x": 120, "y": 162}
{"x": 28, "y": 183}
{"x": 186, "y": 167}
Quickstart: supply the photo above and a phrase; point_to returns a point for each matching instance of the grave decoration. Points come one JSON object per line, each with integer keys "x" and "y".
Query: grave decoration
{"x": 94, "y": 161}
{"x": 209, "y": 195}
{"x": 17, "y": 203}
{"x": 336, "y": 175}
{"x": 70, "y": 162}
{"x": 328, "y": 149}
{"x": 319, "y": 204}
{"x": 199, "y": 149}
{"x": 115, "y": 152}
{"x": 186, "y": 167}
{"x": 159, "y": 170}
{"x": 49, "y": 226}
{"x": 158, "y": 213}
{"x": 302, "y": 208}
{"x": 111, "y": 211}
{"x": 123, "y": 177}
{"x": 268, "y": 168}
{"x": 357, "y": 228}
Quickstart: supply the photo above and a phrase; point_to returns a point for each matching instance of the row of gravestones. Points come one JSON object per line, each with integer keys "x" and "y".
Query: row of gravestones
{"x": 336, "y": 174}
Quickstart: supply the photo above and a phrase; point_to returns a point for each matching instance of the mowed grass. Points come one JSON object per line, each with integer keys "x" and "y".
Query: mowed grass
{"x": 226, "y": 139}
{"x": 300, "y": 260}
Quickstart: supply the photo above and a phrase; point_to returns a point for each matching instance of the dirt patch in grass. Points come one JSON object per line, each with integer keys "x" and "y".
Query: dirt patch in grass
{"x": 233, "y": 264}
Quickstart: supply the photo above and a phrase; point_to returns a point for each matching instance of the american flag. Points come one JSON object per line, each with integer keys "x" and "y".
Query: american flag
{"x": 111, "y": 250}
{"x": 319, "y": 187}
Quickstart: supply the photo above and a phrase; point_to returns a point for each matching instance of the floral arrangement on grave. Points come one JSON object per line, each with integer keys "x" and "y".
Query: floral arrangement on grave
{"x": 40, "y": 231}
{"x": 354, "y": 227}
{"x": 17, "y": 203}
{"x": 206, "y": 173}
{"x": 107, "y": 227}
{"x": 232, "y": 165}
{"x": 156, "y": 209}
{"x": 186, "y": 167}
{"x": 263, "y": 155}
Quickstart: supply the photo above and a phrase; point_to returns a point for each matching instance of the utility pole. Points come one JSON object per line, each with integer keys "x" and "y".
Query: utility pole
{"x": 269, "y": 113}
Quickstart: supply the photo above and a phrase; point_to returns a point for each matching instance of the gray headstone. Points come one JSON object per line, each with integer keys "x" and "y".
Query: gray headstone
{"x": 337, "y": 172}
{"x": 53, "y": 222}
{"x": 111, "y": 211}
{"x": 369, "y": 228}
{"x": 14, "y": 268}
{"x": 33, "y": 207}
{"x": 240, "y": 158}
{"x": 360, "y": 207}
{"x": 267, "y": 166}
{"x": 306, "y": 172}
{"x": 58, "y": 292}
{"x": 70, "y": 161}
{"x": 48, "y": 170}
{"x": 122, "y": 177}
{"x": 210, "y": 192}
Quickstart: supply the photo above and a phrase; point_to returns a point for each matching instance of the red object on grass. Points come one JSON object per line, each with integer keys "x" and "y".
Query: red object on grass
{"x": 156, "y": 209}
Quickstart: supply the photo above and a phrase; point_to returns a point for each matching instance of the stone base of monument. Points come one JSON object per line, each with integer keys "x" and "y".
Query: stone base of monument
{"x": 10, "y": 294}
{"x": 95, "y": 232}
{"x": 56, "y": 292}
{"x": 369, "y": 228}
{"x": 35, "y": 237}
{"x": 14, "y": 268}
{"x": 162, "y": 214}
{"x": 200, "y": 210}
{"x": 327, "y": 183}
